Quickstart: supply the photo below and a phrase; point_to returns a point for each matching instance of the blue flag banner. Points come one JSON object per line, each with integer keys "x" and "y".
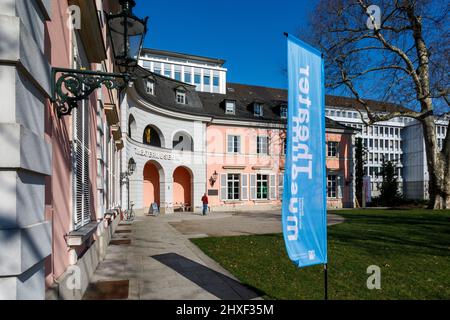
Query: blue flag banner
{"x": 304, "y": 199}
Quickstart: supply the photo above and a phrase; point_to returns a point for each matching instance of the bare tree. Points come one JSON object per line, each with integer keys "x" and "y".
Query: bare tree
{"x": 403, "y": 57}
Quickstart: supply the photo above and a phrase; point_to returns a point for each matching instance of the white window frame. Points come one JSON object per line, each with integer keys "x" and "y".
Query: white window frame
{"x": 258, "y": 106}
{"x": 150, "y": 87}
{"x": 235, "y": 141}
{"x": 283, "y": 112}
{"x": 81, "y": 193}
{"x": 260, "y": 181}
{"x": 229, "y": 110}
{"x": 235, "y": 180}
{"x": 332, "y": 149}
{"x": 332, "y": 186}
{"x": 260, "y": 145}
{"x": 181, "y": 97}
{"x": 81, "y": 176}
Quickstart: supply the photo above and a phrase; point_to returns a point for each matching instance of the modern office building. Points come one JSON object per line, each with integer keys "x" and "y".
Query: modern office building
{"x": 399, "y": 140}
{"x": 382, "y": 140}
{"x": 206, "y": 74}
{"x": 415, "y": 174}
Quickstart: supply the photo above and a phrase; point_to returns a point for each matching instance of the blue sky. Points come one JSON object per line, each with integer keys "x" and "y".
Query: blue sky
{"x": 248, "y": 34}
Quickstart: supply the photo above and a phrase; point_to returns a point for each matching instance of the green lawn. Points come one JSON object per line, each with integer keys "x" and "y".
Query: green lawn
{"x": 412, "y": 248}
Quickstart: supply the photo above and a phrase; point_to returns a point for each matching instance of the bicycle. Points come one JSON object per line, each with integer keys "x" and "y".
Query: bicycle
{"x": 129, "y": 214}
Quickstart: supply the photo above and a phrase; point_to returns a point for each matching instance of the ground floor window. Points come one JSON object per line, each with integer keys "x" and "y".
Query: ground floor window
{"x": 233, "y": 186}
{"x": 332, "y": 186}
{"x": 262, "y": 187}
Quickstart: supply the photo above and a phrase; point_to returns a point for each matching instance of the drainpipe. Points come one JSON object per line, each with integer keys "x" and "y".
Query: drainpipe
{"x": 209, "y": 123}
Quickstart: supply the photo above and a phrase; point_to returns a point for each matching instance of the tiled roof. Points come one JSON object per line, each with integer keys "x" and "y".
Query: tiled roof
{"x": 213, "y": 104}
{"x": 351, "y": 103}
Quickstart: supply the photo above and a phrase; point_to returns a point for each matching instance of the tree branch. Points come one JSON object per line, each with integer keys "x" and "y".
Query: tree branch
{"x": 400, "y": 53}
{"x": 373, "y": 117}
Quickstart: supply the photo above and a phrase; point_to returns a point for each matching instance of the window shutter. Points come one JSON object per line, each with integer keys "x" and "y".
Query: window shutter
{"x": 238, "y": 144}
{"x": 244, "y": 187}
{"x": 86, "y": 164}
{"x": 273, "y": 187}
{"x": 78, "y": 168}
{"x": 253, "y": 187}
{"x": 81, "y": 163}
{"x": 280, "y": 186}
{"x": 223, "y": 187}
{"x": 339, "y": 187}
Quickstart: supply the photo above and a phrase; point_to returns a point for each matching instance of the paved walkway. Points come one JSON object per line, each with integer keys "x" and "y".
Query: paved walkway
{"x": 161, "y": 263}
{"x": 245, "y": 223}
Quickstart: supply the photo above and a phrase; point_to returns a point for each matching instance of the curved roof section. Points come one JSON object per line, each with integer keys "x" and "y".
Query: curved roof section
{"x": 213, "y": 104}
{"x": 165, "y": 93}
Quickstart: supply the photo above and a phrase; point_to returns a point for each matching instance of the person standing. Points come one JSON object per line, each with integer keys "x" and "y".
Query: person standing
{"x": 205, "y": 204}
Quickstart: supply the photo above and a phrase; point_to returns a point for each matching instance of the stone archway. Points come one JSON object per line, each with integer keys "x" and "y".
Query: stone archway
{"x": 182, "y": 189}
{"x": 152, "y": 183}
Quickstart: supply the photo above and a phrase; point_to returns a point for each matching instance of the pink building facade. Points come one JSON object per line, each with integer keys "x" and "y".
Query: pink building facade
{"x": 248, "y": 180}
{"x": 60, "y": 178}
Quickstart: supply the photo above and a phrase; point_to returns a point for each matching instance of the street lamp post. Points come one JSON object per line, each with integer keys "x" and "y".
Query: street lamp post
{"x": 125, "y": 178}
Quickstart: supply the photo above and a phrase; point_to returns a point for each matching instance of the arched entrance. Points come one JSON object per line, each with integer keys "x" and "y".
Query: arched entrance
{"x": 182, "y": 189}
{"x": 152, "y": 189}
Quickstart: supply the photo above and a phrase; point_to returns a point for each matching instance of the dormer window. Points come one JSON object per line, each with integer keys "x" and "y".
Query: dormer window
{"x": 149, "y": 87}
{"x": 283, "y": 111}
{"x": 230, "y": 107}
{"x": 181, "y": 97}
{"x": 258, "y": 109}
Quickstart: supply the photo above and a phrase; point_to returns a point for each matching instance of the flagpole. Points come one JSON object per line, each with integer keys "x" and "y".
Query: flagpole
{"x": 325, "y": 269}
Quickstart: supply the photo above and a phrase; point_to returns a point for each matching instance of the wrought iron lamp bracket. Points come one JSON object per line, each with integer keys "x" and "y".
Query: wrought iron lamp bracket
{"x": 73, "y": 86}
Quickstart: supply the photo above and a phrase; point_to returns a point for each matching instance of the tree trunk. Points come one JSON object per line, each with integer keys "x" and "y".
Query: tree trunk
{"x": 438, "y": 168}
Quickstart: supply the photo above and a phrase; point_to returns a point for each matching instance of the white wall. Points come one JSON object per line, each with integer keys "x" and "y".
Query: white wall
{"x": 25, "y": 236}
{"x": 165, "y": 157}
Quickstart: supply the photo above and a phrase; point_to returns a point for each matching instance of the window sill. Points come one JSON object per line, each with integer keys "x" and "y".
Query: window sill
{"x": 79, "y": 237}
